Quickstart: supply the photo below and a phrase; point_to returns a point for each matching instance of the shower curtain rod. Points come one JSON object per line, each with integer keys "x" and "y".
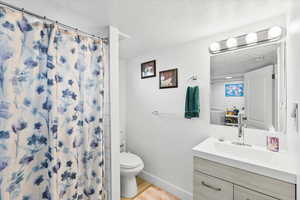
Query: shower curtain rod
{"x": 51, "y": 20}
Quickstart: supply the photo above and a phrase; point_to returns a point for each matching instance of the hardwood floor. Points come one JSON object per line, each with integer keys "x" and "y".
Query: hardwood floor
{"x": 142, "y": 186}
{"x": 147, "y": 191}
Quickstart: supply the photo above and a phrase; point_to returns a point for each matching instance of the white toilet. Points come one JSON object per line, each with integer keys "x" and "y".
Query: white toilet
{"x": 131, "y": 165}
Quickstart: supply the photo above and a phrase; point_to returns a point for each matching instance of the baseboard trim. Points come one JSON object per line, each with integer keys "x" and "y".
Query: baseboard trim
{"x": 167, "y": 186}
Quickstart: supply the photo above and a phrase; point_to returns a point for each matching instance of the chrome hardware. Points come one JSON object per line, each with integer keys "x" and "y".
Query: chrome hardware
{"x": 210, "y": 187}
{"x": 241, "y": 126}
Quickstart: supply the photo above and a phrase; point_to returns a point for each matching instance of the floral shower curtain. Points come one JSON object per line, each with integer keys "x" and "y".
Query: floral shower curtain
{"x": 51, "y": 104}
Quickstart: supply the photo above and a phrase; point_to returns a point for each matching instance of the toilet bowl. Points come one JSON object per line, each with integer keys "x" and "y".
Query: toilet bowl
{"x": 131, "y": 165}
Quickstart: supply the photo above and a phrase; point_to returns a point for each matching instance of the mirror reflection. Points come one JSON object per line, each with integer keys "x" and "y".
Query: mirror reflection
{"x": 248, "y": 82}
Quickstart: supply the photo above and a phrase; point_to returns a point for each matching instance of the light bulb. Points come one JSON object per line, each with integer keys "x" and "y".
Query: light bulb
{"x": 274, "y": 32}
{"x": 251, "y": 38}
{"x": 231, "y": 42}
{"x": 215, "y": 46}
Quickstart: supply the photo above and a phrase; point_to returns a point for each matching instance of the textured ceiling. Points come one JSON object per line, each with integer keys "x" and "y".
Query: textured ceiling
{"x": 155, "y": 24}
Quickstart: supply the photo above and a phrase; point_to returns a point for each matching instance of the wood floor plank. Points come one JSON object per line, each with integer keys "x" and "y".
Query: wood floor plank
{"x": 147, "y": 191}
{"x": 142, "y": 186}
{"x": 155, "y": 193}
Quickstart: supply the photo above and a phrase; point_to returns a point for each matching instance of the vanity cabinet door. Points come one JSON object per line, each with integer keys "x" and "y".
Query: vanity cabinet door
{"x": 210, "y": 188}
{"x": 241, "y": 193}
{"x": 263, "y": 184}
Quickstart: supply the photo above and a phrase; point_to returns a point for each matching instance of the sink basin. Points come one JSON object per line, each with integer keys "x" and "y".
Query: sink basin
{"x": 278, "y": 165}
{"x": 253, "y": 154}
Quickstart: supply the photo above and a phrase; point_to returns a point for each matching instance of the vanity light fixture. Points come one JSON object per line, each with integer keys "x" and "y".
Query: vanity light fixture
{"x": 267, "y": 35}
{"x": 231, "y": 42}
{"x": 228, "y": 77}
{"x": 274, "y": 32}
{"x": 251, "y": 38}
{"x": 215, "y": 46}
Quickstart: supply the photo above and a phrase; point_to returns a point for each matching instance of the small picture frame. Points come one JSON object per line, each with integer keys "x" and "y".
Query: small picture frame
{"x": 234, "y": 90}
{"x": 168, "y": 79}
{"x": 148, "y": 69}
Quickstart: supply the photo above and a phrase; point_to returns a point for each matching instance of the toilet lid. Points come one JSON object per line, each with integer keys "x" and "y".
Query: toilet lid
{"x": 129, "y": 160}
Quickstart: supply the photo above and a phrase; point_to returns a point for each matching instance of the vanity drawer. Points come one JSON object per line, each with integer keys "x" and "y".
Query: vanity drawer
{"x": 263, "y": 184}
{"x": 241, "y": 193}
{"x": 210, "y": 188}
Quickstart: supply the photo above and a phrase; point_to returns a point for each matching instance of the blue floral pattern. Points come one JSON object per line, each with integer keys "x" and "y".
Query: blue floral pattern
{"x": 51, "y": 112}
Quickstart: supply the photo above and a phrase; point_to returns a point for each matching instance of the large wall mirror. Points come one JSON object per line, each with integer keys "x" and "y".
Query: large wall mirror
{"x": 251, "y": 81}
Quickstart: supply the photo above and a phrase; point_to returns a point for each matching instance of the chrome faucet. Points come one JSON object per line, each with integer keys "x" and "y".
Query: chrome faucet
{"x": 241, "y": 126}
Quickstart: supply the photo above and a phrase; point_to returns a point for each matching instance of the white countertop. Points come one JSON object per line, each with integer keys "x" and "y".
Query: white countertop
{"x": 278, "y": 165}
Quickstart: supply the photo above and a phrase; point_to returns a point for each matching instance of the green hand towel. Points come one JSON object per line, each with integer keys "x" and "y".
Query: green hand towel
{"x": 196, "y": 103}
{"x": 189, "y": 92}
{"x": 192, "y": 105}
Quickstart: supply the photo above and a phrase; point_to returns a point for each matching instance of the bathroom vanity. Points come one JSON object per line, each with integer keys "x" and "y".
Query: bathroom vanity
{"x": 247, "y": 91}
{"x": 224, "y": 171}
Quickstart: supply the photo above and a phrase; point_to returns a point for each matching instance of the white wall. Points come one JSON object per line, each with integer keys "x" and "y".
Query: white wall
{"x": 220, "y": 101}
{"x": 293, "y": 73}
{"x": 165, "y": 143}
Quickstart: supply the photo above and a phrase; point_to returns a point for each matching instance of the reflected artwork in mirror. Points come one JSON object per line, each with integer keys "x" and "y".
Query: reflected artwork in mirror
{"x": 249, "y": 81}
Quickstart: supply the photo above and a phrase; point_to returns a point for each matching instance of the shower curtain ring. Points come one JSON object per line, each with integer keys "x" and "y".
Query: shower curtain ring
{"x": 44, "y": 21}
{"x": 76, "y": 31}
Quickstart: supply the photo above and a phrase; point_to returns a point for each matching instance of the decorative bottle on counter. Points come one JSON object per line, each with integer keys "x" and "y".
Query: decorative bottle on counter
{"x": 272, "y": 141}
